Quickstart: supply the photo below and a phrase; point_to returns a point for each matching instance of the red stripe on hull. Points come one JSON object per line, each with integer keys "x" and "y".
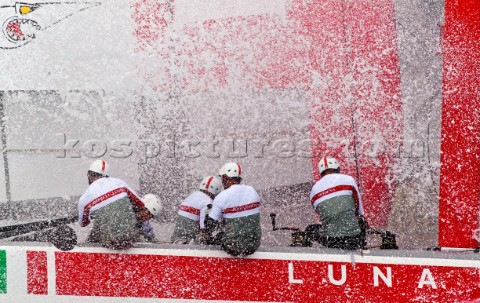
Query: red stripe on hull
{"x": 37, "y": 274}
{"x": 195, "y": 278}
{"x": 460, "y": 145}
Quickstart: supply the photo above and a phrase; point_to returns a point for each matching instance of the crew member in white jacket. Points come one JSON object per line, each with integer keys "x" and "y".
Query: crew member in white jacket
{"x": 187, "y": 221}
{"x": 238, "y": 209}
{"x": 338, "y": 203}
{"x": 118, "y": 212}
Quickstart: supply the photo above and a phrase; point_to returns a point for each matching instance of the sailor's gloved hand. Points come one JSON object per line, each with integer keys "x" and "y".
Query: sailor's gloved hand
{"x": 363, "y": 231}
{"x": 143, "y": 214}
{"x": 210, "y": 224}
{"x": 363, "y": 224}
{"x": 205, "y": 237}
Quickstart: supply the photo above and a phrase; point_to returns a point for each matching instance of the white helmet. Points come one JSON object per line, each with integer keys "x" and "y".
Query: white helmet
{"x": 211, "y": 184}
{"x": 152, "y": 204}
{"x": 100, "y": 167}
{"x": 232, "y": 170}
{"x": 328, "y": 163}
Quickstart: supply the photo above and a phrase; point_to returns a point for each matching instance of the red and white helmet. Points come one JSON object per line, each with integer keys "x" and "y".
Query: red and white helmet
{"x": 100, "y": 167}
{"x": 328, "y": 163}
{"x": 211, "y": 184}
{"x": 231, "y": 170}
{"x": 153, "y": 204}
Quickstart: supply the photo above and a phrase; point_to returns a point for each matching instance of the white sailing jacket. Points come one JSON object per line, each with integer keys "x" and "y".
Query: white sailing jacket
{"x": 334, "y": 185}
{"x": 234, "y": 202}
{"x": 102, "y": 192}
{"x": 191, "y": 206}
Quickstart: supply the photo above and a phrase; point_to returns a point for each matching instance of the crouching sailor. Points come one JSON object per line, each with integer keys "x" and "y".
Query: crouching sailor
{"x": 117, "y": 211}
{"x": 238, "y": 209}
{"x": 187, "y": 225}
{"x": 337, "y": 201}
{"x": 153, "y": 204}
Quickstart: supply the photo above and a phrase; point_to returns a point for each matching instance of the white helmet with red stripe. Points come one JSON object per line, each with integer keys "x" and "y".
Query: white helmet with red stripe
{"x": 152, "y": 204}
{"x": 100, "y": 167}
{"x": 231, "y": 170}
{"x": 328, "y": 163}
{"x": 211, "y": 184}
